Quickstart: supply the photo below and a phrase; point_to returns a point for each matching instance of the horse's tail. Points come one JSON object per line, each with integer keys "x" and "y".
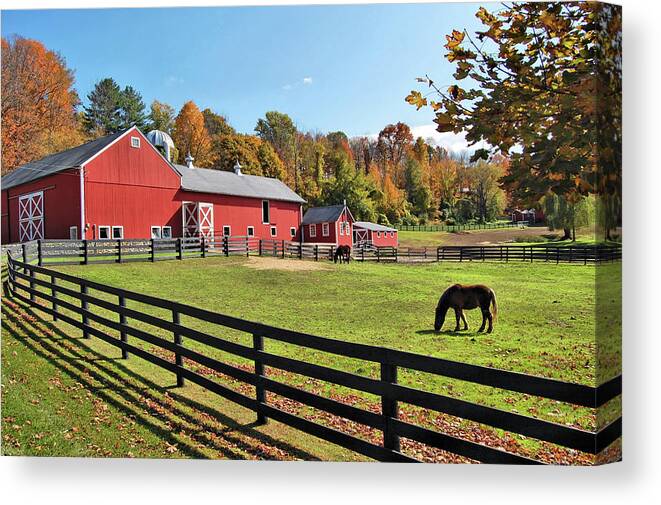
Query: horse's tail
{"x": 495, "y": 306}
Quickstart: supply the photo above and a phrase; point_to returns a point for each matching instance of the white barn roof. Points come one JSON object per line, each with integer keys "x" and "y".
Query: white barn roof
{"x": 366, "y": 225}
{"x": 205, "y": 180}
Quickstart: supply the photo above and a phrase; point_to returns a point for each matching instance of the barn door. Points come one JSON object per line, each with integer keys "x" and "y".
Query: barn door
{"x": 206, "y": 220}
{"x": 360, "y": 237}
{"x": 198, "y": 219}
{"x": 189, "y": 210}
{"x": 31, "y": 216}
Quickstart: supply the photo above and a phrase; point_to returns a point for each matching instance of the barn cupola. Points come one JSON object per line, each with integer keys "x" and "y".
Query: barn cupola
{"x": 237, "y": 168}
{"x": 189, "y": 160}
{"x": 163, "y": 142}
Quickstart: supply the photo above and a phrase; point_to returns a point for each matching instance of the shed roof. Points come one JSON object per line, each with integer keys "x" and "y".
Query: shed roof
{"x": 205, "y": 180}
{"x": 366, "y": 225}
{"x": 54, "y": 163}
{"x": 328, "y": 214}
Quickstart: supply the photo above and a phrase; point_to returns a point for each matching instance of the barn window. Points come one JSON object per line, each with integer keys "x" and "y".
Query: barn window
{"x": 341, "y": 228}
{"x": 156, "y": 232}
{"x": 347, "y": 228}
{"x": 292, "y": 232}
{"x": 251, "y": 231}
{"x": 313, "y": 230}
{"x": 73, "y": 233}
{"x": 274, "y": 231}
{"x": 378, "y": 234}
{"x": 118, "y": 232}
{"x": 325, "y": 229}
{"x": 166, "y": 232}
{"x": 392, "y": 234}
{"x": 135, "y": 142}
{"x": 266, "y": 214}
{"x": 104, "y": 232}
{"x": 227, "y": 231}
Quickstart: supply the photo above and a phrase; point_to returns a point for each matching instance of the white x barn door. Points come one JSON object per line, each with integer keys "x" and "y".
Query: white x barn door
{"x": 31, "y": 216}
{"x": 206, "y": 220}
{"x": 198, "y": 219}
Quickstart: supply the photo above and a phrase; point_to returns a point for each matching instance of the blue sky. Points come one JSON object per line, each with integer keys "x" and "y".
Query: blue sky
{"x": 344, "y": 67}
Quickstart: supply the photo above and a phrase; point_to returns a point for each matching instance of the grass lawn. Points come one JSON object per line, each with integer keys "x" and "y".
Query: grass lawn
{"x": 546, "y": 326}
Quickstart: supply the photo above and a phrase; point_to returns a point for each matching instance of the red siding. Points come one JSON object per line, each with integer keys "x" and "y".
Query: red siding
{"x": 334, "y": 236}
{"x": 239, "y": 212}
{"x": 131, "y": 187}
{"x": 61, "y": 205}
{"x": 383, "y": 239}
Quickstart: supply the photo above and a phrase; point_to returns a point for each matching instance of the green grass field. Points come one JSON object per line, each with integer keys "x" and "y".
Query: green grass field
{"x": 546, "y": 326}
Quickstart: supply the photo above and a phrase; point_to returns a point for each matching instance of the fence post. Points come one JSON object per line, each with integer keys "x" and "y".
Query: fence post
{"x": 25, "y": 258}
{"x": 585, "y": 255}
{"x": 85, "y": 252}
{"x": 378, "y": 256}
{"x": 83, "y": 305}
{"x": 178, "y": 358}
{"x": 40, "y": 260}
{"x": 203, "y": 245}
{"x": 531, "y": 254}
{"x": 482, "y": 252}
{"x": 571, "y": 254}
{"x": 53, "y": 293}
{"x": 119, "y": 251}
{"x": 362, "y": 254}
{"x": 283, "y": 248}
{"x": 247, "y": 247}
{"x": 316, "y": 252}
{"x": 300, "y": 250}
{"x": 389, "y": 408}
{"x": 507, "y": 254}
{"x": 151, "y": 250}
{"x": 122, "y": 321}
{"x": 180, "y": 249}
{"x": 226, "y": 245}
{"x": 461, "y": 254}
{"x": 260, "y": 393}
{"x": 557, "y": 255}
{"x": 260, "y": 246}
{"x": 32, "y": 295}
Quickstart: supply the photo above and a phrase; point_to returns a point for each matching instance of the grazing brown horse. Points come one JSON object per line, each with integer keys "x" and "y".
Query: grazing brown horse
{"x": 460, "y": 297}
{"x": 343, "y": 252}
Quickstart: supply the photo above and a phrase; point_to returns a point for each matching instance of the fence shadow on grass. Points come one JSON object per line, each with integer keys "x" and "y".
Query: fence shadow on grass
{"x": 89, "y": 368}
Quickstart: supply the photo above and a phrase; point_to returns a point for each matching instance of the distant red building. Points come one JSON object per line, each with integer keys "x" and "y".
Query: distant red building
{"x": 328, "y": 225}
{"x": 374, "y": 234}
{"x": 121, "y": 186}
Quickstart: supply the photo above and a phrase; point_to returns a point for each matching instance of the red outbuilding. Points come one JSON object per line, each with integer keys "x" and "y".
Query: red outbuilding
{"x": 328, "y": 225}
{"x": 121, "y": 186}
{"x": 366, "y": 233}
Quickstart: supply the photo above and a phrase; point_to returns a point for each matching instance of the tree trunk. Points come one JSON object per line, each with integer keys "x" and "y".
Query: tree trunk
{"x": 567, "y": 234}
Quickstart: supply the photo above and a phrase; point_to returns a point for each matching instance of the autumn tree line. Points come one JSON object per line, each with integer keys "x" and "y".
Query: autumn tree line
{"x": 392, "y": 178}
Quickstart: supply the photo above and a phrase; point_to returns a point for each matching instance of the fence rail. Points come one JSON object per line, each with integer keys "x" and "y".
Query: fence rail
{"x": 122, "y": 251}
{"x": 461, "y": 227}
{"x": 54, "y": 293}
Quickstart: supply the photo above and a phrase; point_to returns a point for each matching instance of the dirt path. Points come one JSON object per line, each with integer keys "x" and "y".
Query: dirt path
{"x": 486, "y": 237}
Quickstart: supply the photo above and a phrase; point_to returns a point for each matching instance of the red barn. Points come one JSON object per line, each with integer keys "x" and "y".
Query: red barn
{"x": 121, "y": 186}
{"x": 365, "y": 233}
{"x": 328, "y": 225}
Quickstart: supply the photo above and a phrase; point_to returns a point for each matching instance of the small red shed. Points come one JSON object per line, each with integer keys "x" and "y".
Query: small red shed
{"x": 328, "y": 225}
{"x": 366, "y": 233}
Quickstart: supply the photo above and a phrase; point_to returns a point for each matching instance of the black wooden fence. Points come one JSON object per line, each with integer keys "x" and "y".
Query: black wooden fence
{"x": 123, "y": 251}
{"x": 55, "y": 292}
{"x": 461, "y": 227}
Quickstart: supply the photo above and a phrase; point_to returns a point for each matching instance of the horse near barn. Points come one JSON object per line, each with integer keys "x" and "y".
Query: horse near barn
{"x": 460, "y": 297}
{"x": 342, "y": 253}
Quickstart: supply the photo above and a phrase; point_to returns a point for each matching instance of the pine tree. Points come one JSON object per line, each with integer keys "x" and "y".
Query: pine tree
{"x": 132, "y": 112}
{"x": 103, "y": 114}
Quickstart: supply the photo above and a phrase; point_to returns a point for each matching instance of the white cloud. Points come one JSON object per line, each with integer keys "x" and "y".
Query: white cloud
{"x": 455, "y": 142}
{"x": 307, "y": 80}
{"x": 287, "y": 87}
{"x": 173, "y": 80}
